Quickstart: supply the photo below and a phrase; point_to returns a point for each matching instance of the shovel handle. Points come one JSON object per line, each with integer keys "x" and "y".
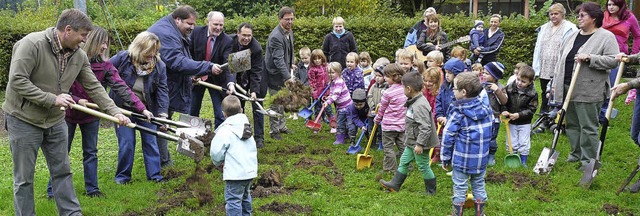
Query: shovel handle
{"x": 372, "y": 135}
{"x": 618, "y": 77}
{"x": 143, "y": 117}
{"x": 574, "y": 78}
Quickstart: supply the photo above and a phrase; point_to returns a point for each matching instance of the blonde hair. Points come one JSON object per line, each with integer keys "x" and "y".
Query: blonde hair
{"x": 406, "y": 54}
{"x": 436, "y": 56}
{"x": 459, "y": 52}
{"x": 419, "y": 65}
{"x": 144, "y": 43}
{"x": 477, "y": 66}
{"x": 497, "y": 16}
{"x": 317, "y": 53}
{"x": 520, "y": 65}
{"x": 354, "y": 56}
{"x": 93, "y": 46}
{"x": 364, "y": 56}
{"x": 381, "y": 61}
{"x": 557, "y": 7}
{"x": 433, "y": 73}
{"x": 336, "y": 68}
{"x": 429, "y": 11}
{"x": 305, "y": 50}
{"x": 338, "y": 20}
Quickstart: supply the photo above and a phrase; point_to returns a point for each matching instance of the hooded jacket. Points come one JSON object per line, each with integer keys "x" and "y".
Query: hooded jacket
{"x": 466, "y": 136}
{"x": 234, "y": 145}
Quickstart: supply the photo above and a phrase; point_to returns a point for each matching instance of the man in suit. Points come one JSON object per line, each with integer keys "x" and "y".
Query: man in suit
{"x": 278, "y": 64}
{"x": 250, "y": 79}
{"x": 210, "y": 43}
{"x": 173, "y": 31}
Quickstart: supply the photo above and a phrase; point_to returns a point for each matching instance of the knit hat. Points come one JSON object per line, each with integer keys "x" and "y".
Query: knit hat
{"x": 477, "y": 23}
{"x": 359, "y": 95}
{"x": 455, "y": 66}
{"x": 380, "y": 69}
{"x": 496, "y": 69}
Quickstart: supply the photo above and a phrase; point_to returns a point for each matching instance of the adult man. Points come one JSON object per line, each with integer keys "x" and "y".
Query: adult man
{"x": 494, "y": 40}
{"x": 210, "y": 43}
{"x": 173, "y": 31}
{"x": 250, "y": 79}
{"x": 43, "y": 67}
{"x": 278, "y": 63}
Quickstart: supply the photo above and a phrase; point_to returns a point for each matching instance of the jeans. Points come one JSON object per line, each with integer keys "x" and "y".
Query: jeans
{"x": 25, "y": 140}
{"x": 635, "y": 121}
{"x": 328, "y": 111}
{"x": 89, "y": 133}
{"x": 237, "y": 194}
{"x": 421, "y": 159}
{"x": 345, "y": 124}
{"x": 461, "y": 182}
{"x": 126, "y": 149}
{"x": 197, "y": 93}
{"x": 258, "y": 120}
{"x": 520, "y": 138}
{"x": 493, "y": 145}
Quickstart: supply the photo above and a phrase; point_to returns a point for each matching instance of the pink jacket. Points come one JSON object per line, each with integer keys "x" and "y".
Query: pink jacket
{"x": 392, "y": 110}
{"x": 318, "y": 79}
{"x": 339, "y": 93}
{"x": 622, "y": 30}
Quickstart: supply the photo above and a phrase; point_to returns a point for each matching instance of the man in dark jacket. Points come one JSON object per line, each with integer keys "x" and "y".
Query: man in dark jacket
{"x": 173, "y": 31}
{"x": 210, "y": 43}
{"x": 278, "y": 64}
{"x": 494, "y": 38}
{"x": 250, "y": 79}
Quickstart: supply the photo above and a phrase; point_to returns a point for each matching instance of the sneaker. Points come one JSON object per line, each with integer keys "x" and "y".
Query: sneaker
{"x": 276, "y": 136}
{"x": 450, "y": 173}
{"x": 95, "y": 194}
{"x": 259, "y": 143}
{"x": 166, "y": 164}
{"x": 538, "y": 130}
{"x": 492, "y": 160}
{"x": 333, "y": 130}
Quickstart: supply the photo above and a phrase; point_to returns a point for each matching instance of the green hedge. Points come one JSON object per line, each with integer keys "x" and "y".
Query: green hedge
{"x": 380, "y": 36}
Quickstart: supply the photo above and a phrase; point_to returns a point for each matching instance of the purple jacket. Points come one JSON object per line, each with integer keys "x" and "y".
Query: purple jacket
{"x": 108, "y": 76}
{"x": 353, "y": 79}
{"x": 358, "y": 116}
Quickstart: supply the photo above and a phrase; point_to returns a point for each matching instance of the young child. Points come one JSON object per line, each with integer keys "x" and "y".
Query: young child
{"x": 378, "y": 85}
{"x": 497, "y": 98}
{"x": 382, "y": 61}
{"x": 477, "y": 39}
{"x": 365, "y": 66}
{"x": 516, "y": 70}
{"x": 301, "y": 73}
{"x": 445, "y": 96}
{"x": 405, "y": 61}
{"x": 318, "y": 80}
{"x": 339, "y": 94}
{"x": 434, "y": 59}
{"x": 465, "y": 142}
{"x": 352, "y": 75}
{"x": 397, "y": 56}
{"x": 461, "y": 53}
{"x": 359, "y": 111}
{"x": 391, "y": 114}
{"x": 522, "y": 104}
{"x": 420, "y": 135}
{"x": 234, "y": 146}
{"x": 432, "y": 79}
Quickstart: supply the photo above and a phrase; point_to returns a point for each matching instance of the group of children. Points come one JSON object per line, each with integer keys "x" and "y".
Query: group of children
{"x": 412, "y": 100}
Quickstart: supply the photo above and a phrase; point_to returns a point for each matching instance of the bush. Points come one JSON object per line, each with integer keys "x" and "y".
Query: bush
{"x": 378, "y": 35}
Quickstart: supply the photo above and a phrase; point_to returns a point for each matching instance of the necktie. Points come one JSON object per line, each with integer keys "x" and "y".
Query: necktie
{"x": 207, "y": 55}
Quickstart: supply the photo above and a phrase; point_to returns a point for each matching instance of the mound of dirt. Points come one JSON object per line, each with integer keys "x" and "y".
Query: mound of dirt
{"x": 269, "y": 179}
{"x": 305, "y": 163}
{"x": 521, "y": 180}
{"x": 323, "y": 151}
{"x": 260, "y": 191}
{"x": 334, "y": 177}
{"x": 612, "y": 209}
{"x": 495, "y": 178}
{"x": 294, "y": 150}
{"x": 286, "y": 208}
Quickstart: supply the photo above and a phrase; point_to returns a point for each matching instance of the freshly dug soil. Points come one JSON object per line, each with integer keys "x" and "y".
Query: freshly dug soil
{"x": 495, "y": 178}
{"x": 286, "y": 208}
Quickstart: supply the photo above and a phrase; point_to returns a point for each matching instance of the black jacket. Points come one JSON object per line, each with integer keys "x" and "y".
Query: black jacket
{"x": 250, "y": 79}
{"x": 336, "y": 49}
{"x": 523, "y": 102}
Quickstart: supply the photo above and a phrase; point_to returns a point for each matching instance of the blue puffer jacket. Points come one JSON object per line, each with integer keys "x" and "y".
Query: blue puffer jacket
{"x": 444, "y": 99}
{"x": 180, "y": 66}
{"x": 414, "y": 32}
{"x": 466, "y": 136}
{"x": 155, "y": 84}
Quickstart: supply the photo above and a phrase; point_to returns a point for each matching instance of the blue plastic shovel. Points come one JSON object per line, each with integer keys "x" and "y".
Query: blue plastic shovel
{"x": 354, "y": 149}
{"x": 307, "y": 112}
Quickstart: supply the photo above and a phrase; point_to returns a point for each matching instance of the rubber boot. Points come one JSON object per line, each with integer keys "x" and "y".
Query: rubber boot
{"x": 395, "y": 183}
{"x": 523, "y": 159}
{"x": 353, "y": 141}
{"x": 457, "y": 209}
{"x": 479, "y": 206}
{"x": 430, "y": 184}
{"x": 492, "y": 160}
{"x": 339, "y": 139}
{"x": 635, "y": 187}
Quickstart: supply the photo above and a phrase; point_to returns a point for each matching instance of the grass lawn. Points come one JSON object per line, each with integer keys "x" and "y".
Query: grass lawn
{"x": 318, "y": 178}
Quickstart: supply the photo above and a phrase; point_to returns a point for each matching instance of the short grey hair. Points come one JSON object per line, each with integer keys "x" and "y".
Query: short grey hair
{"x": 214, "y": 13}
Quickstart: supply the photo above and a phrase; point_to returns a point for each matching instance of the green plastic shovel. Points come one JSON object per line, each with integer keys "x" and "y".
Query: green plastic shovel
{"x": 511, "y": 160}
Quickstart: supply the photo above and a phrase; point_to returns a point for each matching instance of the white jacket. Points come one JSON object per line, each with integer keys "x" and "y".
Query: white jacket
{"x": 240, "y": 157}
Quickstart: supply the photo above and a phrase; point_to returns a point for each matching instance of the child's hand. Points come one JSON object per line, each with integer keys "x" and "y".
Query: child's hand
{"x": 514, "y": 116}
{"x": 441, "y": 120}
{"x": 417, "y": 149}
{"x": 324, "y": 105}
{"x": 505, "y": 114}
{"x": 492, "y": 86}
{"x": 364, "y": 128}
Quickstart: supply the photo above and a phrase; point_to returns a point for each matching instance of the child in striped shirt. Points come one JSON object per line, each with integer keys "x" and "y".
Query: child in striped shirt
{"x": 339, "y": 93}
{"x": 391, "y": 116}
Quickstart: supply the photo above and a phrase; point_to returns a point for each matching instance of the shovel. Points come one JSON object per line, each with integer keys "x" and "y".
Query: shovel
{"x": 316, "y": 125}
{"x": 269, "y": 113}
{"x": 356, "y": 148}
{"x": 511, "y": 160}
{"x": 591, "y": 170}
{"x": 548, "y": 157}
{"x": 626, "y": 181}
{"x": 364, "y": 160}
{"x": 143, "y": 117}
{"x": 191, "y": 147}
{"x": 238, "y": 61}
{"x": 431, "y": 151}
{"x": 306, "y": 112}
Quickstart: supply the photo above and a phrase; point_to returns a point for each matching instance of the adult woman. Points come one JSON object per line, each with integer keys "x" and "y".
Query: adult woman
{"x": 591, "y": 48}
{"x": 622, "y": 23}
{"x": 421, "y": 25}
{"x": 97, "y": 49}
{"x": 338, "y": 43}
{"x": 494, "y": 38}
{"x": 545, "y": 54}
{"x": 432, "y": 37}
{"x": 143, "y": 71}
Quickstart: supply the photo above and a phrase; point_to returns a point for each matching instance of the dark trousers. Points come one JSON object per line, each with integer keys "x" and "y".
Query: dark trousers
{"x": 544, "y": 107}
{"x": 197, "y": 93}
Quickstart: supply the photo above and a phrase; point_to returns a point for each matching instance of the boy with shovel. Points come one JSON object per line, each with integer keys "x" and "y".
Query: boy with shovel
{"x": 419, "y": 136}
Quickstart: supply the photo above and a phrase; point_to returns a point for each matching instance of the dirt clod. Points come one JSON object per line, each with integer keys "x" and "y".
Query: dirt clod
{"x": 171, "y": 173}
{"x": 612, "y": 209}
{"x": 286, "y": 208}
{"x": 495, "y": 178}
{"x": 334, "y": 177}
{"x": 270, "y": 178}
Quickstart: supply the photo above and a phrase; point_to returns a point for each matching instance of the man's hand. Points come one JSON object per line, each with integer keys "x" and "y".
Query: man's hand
{"x": 253, "y": 96}
{"x": 417, "y": 149}
{"x": 216, "y": 69}
{"x": 122, "y": 119}
{"x": 64, "y": 100}
{"x": 148, "y": 114}
{"x": 83, "y": 102}
{"x": 364, "y": 129}
{"x": 514, "y": 116}
{"x": 505, "y": 114}
{"x": 476, "y": 51}
{"x": 294, "y": 67}
{"x": 231, "y": 88}
{"x": 620, "y": 89}
{"x": 620, "y": 57}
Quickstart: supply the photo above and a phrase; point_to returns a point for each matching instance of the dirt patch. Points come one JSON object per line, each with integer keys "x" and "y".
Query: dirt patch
{"x": 293, "y": 150}
{"x": 286, "y": 208}
{"x": 270, "y": 178}
{"x": 612, "y": 209}
{"x": 171, "y": 173}
{"x": 305, "y": 163}
{"x": 334, "y": 177}
{"x": 321, "y": 151}
{"x": 495, "y": 178}
{"x": 521, "y": 180}
{"x": 260, "y": 191}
